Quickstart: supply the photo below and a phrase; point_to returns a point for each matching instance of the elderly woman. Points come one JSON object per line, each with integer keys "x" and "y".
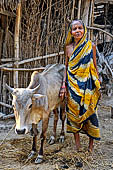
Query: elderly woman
{"x": 81, "y": 84}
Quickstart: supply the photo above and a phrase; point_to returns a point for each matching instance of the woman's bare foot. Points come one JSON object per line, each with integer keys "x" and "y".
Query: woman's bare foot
{"x": 90, "y": 149}
{"x": 77, "y": 141}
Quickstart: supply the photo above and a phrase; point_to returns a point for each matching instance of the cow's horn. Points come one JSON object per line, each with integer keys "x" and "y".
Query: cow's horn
{"x": 9, "y": 88}
{"x": 36, "y": 88}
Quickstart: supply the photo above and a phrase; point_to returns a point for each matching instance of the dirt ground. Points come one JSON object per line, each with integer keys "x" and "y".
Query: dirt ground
{"x": 14, "y": 149}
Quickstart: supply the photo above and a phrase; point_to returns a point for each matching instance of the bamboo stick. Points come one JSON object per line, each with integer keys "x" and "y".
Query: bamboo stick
{"x": 32, "y": 59}
{"x": 23, "y": 69}
{"x": 86, "y": 12}
{"x": 92, "y": 19}
{"x": 6, "y": 105}
{"x": 95, "y": 28}
{"x": 40, "y": 57}
{"x": 101, "y": 26}
{"x": 16, "y": 42}
{"x": 79, "y": 9}
{"x": 73, "y": 10}
{"x": 5, "y": 117}
{"x": 49, "y": 16}
{"x": 6, "y": 65}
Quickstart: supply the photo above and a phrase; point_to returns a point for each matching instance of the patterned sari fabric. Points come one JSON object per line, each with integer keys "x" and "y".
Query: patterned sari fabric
{"x": 82, "y": 90}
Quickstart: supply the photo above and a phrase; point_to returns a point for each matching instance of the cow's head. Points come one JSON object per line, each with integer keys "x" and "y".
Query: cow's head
{"x": 22, "y": 105}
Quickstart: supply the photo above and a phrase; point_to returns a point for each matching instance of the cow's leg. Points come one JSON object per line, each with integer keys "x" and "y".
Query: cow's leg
{"x": 53, "y": 137}
{"x": 45, "y": 121}
{"x": 62, "y": 117}
{"x": 35, "y": 133}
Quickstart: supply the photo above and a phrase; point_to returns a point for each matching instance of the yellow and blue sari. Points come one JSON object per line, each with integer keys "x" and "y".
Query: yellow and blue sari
{"x": 82, "y": 90}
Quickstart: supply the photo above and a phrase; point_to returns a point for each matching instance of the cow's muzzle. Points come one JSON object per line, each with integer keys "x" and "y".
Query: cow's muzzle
{"x": 20, "y": 132}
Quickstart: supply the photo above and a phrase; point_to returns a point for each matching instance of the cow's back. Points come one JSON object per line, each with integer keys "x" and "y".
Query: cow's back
{"x": 53, "y": 75}
{"x": 50, "y": 81}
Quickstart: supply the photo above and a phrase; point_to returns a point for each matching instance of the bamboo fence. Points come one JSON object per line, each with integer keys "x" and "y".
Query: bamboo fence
{"x": 32, "y": 35}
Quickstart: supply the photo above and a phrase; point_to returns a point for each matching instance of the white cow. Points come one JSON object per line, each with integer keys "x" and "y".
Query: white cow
{"x": 35, "y": 103}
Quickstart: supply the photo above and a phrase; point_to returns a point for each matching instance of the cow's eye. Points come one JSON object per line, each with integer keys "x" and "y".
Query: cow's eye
{"x": 30, "y": 106}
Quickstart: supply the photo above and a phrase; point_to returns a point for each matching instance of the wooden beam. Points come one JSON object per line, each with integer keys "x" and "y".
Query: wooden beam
{"x": 101, "y": 26}
{"x": 23, "y": 69}
{"x": 95, "y": 28}
{"x": 40, "y": 57}
{"x": 32, "y": 59}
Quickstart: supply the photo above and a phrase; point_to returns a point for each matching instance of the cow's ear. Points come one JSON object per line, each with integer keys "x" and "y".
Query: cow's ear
{"x": 37, "y": 96}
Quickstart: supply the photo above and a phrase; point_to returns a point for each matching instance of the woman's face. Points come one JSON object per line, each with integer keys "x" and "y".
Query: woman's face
{"x": 77, "y": 30}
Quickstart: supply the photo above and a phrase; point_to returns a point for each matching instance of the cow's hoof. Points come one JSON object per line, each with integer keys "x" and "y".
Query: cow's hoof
{"x": 31, "y": 155}
{"x": 39, "y": 159}
{"x": 61, "y": 139}
{"x": 51, "y": 140}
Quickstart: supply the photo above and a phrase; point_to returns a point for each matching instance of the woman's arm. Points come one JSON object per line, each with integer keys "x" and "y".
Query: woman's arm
{"x": 63, "y": 88}
{"x": 94, "y": 57}
{"x": 66, "y": 65}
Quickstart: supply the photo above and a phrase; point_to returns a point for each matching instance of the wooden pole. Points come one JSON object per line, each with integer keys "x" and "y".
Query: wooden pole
{"x": 73, "y": 9}
{"x": 86, "y": 12}
{"x": 92, "y": 19}
{"x": 79, "y": 9}
{"x": 48, "y": 24}
{"x": 16, "y": 42}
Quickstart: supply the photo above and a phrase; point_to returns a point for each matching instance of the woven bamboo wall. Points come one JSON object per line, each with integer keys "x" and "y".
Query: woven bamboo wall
{"x": 43, "y": 31}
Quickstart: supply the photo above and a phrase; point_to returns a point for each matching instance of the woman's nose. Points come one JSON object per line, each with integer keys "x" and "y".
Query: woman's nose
{"x": 77, "y": 29}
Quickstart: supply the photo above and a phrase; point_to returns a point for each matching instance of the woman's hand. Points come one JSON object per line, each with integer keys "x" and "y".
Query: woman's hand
{"x": 63, "y": 92}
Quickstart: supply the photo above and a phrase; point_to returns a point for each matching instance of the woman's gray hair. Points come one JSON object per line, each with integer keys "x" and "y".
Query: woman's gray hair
{"x": 78, "y": 21}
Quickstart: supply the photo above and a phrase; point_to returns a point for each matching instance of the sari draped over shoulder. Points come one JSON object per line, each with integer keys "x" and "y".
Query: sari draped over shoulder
{"x": 82, "y": 90}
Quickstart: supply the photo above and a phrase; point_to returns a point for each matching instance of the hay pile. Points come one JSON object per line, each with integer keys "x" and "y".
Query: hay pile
{"x": 63, "y": 156}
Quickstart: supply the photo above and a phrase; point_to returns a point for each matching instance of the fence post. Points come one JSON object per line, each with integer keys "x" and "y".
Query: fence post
{"x": 79, "y": 9}
{"x": 16, "y": 42}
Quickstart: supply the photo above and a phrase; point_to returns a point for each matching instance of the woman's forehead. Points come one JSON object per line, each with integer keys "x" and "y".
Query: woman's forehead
{"x": 76, "y": 23}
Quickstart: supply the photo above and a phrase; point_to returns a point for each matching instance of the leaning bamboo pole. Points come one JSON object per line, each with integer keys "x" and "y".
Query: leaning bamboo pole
{"x": 16, "y": 42}
{"x": 90, "y": 17}
{"x": 92, "y": 21}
